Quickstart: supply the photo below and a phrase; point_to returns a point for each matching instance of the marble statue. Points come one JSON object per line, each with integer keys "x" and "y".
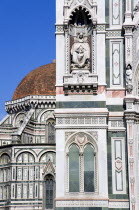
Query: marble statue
{"x": 128, "y": 75}
{"x": 80, "y": 52}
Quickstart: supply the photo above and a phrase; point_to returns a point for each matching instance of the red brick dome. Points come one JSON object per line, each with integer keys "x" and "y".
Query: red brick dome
{"x": 40, "y": 81}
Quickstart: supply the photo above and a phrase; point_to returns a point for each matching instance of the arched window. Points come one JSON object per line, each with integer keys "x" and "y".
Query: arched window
{"x": 89, "y": 168}
{"x": 49, "y": 191}
{"x": 4, "y": 159}
{"x": 50, "y": 131}
{"x": 74, "y": 169}
{"x": 5, "y": 177}
{"x": 81, "y": 168}
{"x": 25, "y": 157}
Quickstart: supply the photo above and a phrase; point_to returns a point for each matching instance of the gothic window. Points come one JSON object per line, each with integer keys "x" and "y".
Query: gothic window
{"x": 50, "y": 131}
{"x": 5, "y": 174}
{"x": 81, "y": 164}
{"x": 74, "y": 169}
{"x": 89, "y": 168}
{"x": 49, "y": 191}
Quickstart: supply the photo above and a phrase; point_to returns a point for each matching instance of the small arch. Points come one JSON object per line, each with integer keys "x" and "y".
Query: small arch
{"x": 43, "y": 112}
{"x": 18, "y": 119}
{"x": 48, "y": 156}
{"x": 90, "y": 139}
{"x": 80, "y": 16}
{"x": 43, "y": 152}
{"x": 4, "y": 159}
{"x": 25, "y": 157}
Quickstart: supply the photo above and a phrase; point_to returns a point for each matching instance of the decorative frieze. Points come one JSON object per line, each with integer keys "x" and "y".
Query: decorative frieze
{"x": 116, "y": 125}
{"x": 82, "y": 203}
{"x": 119, "y": 204}
{"x": 59, "y": 29}
{"x": 113, "y": 34}
{"x": 81, "y": 121}
{"x": 101, "y": 27}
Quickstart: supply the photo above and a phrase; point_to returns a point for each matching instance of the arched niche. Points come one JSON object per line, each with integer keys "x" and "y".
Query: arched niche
{"x": 4, "y": 159}
{"x": 80, "y": 16}
{"x": 48, "y": 156}
{"x": 18, "y": 119}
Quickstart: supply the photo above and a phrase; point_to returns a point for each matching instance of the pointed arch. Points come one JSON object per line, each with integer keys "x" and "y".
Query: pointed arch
{"x": 81, "y": 163}
{"x": 81, "y": 15}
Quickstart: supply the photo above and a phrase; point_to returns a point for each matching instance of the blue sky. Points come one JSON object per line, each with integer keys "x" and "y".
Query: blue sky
{"x": 27, "y": 41}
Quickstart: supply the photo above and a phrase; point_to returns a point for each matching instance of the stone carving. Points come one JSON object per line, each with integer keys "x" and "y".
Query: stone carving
{"x": 19, "y": 120}
{"x": 129, "y": 86}
{"x": 128, "y": 74}
{"x": 82, "y": 121}
{"x": 136, "y": 9}
{"x": 81, "y": 139}
{"x": 80, "y": 53}
{"x": 49, "y": 168}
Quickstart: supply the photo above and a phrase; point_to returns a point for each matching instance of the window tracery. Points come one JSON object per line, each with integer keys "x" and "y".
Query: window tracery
{"x": 49, "y": 191}
{"x": 81, "y": 157}
{"x": 50, "y": 131}
{"x": 5, "y": 174}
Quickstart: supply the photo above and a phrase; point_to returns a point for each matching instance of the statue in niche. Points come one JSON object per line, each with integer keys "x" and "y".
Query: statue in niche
{"x": 80, "y": 53}
{"x": 128, "y": 74}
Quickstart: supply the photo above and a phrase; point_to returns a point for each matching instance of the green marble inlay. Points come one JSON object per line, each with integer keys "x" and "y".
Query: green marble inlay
{"x": 109, "y": 161}
{"x": 107, "y": 11}
{"x": 116, "y": 108}
{"x": 107, "y": 63}
{"x": 81, "y": 208}
{"x": 89, "y": 169}
{"x": 74, "y": 169}
{"x": 81, "y": 104}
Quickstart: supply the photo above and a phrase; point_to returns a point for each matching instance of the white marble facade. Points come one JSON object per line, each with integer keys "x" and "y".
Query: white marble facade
{"x": 89, "y": 131}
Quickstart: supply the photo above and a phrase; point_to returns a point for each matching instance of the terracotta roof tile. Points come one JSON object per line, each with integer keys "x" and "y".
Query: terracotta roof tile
{"x": 40, "y": 81}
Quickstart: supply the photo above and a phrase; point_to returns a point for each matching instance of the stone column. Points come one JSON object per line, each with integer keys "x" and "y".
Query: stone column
{"x": 94, "y": 50}
{"x": 81, "y": 172}
{"x": 131, "y": 159}
{"x": 67, "y": 50}
{"x": 128, "y": 27}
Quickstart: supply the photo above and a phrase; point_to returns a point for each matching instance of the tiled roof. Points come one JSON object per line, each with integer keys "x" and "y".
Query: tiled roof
{"x": 40, "y": 81}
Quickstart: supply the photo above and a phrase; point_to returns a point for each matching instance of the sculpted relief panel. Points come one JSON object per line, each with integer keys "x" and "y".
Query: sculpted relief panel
{"x": 80, "y": 47}
{"x": 80, "y": 53}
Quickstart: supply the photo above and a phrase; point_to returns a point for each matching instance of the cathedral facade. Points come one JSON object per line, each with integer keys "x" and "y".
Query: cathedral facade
{"x": 70, "y": 140}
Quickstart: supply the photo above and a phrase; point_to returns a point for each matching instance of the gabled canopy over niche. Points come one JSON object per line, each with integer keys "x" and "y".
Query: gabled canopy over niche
{"x": 80, "y": 16}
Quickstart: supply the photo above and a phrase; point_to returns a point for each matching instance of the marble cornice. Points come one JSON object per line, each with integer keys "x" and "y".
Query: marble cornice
{"x": 26, "y": 103}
